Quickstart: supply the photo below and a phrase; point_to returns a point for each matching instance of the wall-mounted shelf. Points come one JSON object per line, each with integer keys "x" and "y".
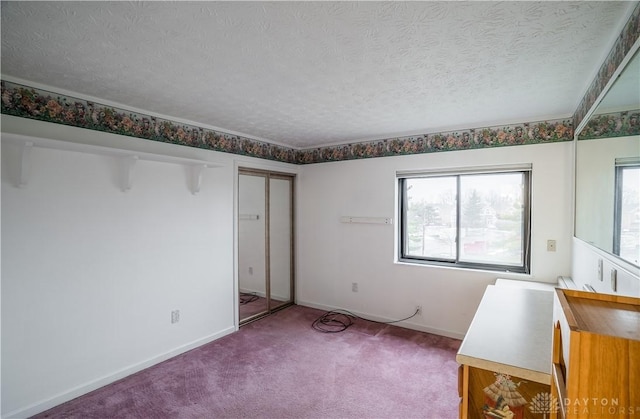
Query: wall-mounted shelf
{"x": 128, "y": 159}
{"x": 366, "y": 220}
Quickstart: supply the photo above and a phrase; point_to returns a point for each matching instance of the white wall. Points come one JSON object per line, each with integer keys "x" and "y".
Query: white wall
{"x": 333, "y": 255}
{"x": 90, "y": 274}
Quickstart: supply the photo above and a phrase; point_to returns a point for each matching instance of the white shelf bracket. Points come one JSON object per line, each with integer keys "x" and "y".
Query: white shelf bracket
{"x": 128, "y": 164}
{"x": 25, "y": 163}
{"x": 196, "y": 177}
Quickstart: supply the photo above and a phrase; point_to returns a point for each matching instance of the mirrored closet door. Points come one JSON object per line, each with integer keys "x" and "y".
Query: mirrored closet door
{"x": 265, "y": 242}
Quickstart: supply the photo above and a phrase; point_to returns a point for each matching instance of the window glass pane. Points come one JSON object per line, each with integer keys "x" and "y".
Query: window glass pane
{"x": 629, "y": 241}
{"x": 431, "y": 218}
{"x": 492, "y": 217}
{"x": 470, "y": 220}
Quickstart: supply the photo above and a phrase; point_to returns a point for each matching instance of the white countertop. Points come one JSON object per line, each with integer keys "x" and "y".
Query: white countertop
{"x": 511, "y": 333}
{"x": 546, "y": 286}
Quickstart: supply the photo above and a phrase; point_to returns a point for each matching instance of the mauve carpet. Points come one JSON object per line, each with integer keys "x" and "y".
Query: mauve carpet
{"x": 279, "y": 367}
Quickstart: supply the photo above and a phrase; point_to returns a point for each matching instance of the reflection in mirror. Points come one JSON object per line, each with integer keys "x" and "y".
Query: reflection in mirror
{"x": 597, "y": 194}
{"x": 251, "y": 245}
{"x": 608, "y": 170}
{"x": 280, "y": 241}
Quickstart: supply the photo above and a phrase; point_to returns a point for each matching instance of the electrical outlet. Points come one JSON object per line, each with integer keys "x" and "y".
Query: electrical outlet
{"x": 175, "y": 316}
{"x": 354, "y": 286}
{"x": 419, "y": 310}
{"x": 551, "y": 245}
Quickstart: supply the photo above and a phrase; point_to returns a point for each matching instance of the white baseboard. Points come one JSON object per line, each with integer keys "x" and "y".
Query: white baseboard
{"x": 406, "y": 324}
{"x": 72, "y": 393}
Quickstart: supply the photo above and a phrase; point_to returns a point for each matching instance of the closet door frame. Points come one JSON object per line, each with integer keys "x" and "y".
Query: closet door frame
{"x": 268, "y": 175}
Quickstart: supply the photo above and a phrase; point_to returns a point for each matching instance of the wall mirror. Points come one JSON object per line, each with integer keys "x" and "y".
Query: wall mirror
{"x": 608, "y": 170}
{"x": 265, "y": 242}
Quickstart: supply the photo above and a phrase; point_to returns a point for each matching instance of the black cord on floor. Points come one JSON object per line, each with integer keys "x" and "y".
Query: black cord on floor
{"x": 339, "y": 320}
{"x": 246, "y": 298}
{"x": 332, "y": 322}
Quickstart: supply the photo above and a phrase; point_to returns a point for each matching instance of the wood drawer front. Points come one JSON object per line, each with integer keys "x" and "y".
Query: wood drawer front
{"x": 607, "y": 374}
{"x": 596, "y": 355}
{"x": 604, "y": 382}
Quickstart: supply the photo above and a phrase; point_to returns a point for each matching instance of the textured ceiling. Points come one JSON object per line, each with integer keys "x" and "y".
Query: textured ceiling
{"x": 314, "y": 73}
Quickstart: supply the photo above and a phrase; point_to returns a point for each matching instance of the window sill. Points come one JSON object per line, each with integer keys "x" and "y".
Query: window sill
{"x": 501, "y": 274}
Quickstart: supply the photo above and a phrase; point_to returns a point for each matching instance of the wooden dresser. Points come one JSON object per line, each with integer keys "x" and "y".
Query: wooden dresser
{"x": 596, "y": 356}
{"x": 505, "y": 358}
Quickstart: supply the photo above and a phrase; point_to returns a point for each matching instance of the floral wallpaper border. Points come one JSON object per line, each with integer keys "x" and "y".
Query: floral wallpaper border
{"x": 615, "y": 124}
{"x": 627, "y": 38}
{"x": 519, "y": 134}
{"x": 28, "y": 102}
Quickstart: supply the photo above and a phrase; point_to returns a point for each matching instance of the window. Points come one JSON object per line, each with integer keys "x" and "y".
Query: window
{"x": 467, "y": 218}
{"x": 626, "y": 241}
